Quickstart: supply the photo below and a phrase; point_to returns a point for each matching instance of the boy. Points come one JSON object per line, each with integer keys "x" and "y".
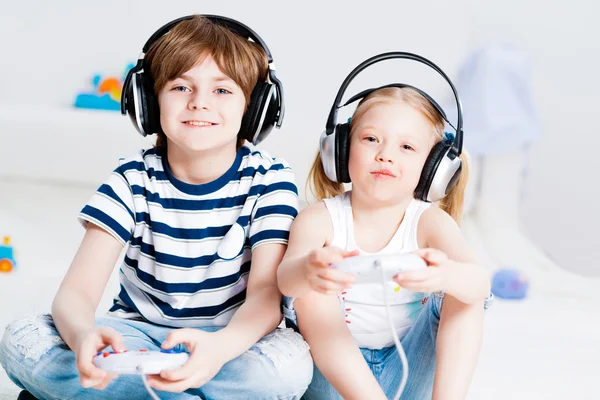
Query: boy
{"x": 206, "y": 223}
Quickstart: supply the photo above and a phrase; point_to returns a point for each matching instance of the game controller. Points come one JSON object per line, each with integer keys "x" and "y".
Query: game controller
{"x": 140, "y": 361}
{"x": 369, "y": 269}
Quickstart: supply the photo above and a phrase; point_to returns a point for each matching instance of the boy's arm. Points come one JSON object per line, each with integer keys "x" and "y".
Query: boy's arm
{"x": 261, "y": 312}
{"x": 75, "y": 303}
{"x": 333, "y": 349}
{"x": 467, "y": 281}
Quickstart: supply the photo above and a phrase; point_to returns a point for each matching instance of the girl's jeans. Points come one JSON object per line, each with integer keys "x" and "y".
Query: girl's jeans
{"x": 419, "y": 345}
{"x": 35, "y": 358}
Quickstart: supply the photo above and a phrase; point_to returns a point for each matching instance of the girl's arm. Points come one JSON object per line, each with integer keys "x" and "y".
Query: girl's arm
{"x": 466, "y": 285}
{"x": 320, "y": 317}
{"x": 463, "y": 277}
{"x": 74, "y": 306}
{"x": 310, "y": 230}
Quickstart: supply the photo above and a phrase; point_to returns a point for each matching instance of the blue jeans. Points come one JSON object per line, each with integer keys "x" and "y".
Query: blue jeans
{"x": 35, "y": 358}
{"x": 385, "y": 364}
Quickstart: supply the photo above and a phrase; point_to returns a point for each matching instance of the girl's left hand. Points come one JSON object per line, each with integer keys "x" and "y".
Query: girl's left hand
{"x": 206, "y": 360}
{"x": 435, "y": 278}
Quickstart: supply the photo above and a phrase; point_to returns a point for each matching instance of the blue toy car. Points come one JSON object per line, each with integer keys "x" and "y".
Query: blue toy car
{"x": 7, "y": 260}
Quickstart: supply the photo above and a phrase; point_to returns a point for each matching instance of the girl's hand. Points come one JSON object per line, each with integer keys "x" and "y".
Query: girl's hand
{"x": 88, "y": 345}
{"x": 206, "y": 360}
{"x": 324, "y": 278}
{"x": 435, "y": 278}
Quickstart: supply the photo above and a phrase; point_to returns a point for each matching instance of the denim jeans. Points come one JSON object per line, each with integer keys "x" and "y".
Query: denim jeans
{"x": 35, "y": 358}
{"x": 385, "y": 364}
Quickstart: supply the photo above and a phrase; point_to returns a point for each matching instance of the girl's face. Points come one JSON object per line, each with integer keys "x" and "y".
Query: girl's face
{"x": 388, "y": 148}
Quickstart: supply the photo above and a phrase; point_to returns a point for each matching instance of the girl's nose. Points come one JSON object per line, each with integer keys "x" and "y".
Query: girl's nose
{"x": 384, "y": 155}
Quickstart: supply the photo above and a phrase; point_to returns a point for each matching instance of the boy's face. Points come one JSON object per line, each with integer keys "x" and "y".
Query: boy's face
{"x": 202, "y": 109}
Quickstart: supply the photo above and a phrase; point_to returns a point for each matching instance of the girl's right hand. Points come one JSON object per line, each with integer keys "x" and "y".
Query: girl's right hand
{"x": 88, "y": 345}
{"x": 324, "y": 278}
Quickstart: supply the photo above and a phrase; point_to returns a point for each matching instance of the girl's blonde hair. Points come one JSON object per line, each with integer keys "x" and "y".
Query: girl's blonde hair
{"x": 322, "y": 187}
{"x": 189, "y": 42}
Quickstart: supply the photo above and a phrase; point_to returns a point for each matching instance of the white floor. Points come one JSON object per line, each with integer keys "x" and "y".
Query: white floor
{"x": 546, "y": 347}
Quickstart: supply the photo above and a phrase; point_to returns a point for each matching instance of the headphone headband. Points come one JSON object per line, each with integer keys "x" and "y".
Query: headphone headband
{"x": 231, "y": 24}
{"x": 332, "y": 119}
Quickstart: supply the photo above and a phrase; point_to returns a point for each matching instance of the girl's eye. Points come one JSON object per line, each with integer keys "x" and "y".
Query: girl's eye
{"x": 407, "y": 147}
{"x": 181, "y": 88}
{"x": 371, "y": 139}
{"x": 223, "y": 91}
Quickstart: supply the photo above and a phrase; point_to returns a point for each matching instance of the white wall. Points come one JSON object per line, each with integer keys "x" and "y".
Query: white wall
{"x": 50, "y": 50}
{"x": 560, "y": 210}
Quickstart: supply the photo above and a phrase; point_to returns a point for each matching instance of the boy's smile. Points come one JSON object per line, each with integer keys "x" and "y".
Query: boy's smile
{"x": 199, "y": 124}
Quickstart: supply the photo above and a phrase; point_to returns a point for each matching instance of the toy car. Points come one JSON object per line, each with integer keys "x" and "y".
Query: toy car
{"x": 7, "y": 260}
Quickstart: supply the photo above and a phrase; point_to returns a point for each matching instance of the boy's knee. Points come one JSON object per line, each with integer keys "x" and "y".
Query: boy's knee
{"x": 30, "y": 338}
{"x": 288, "y": 364}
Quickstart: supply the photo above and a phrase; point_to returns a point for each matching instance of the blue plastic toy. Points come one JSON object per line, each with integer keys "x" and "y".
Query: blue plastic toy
{"x": 510, "y": 284}
{"x": 7, "y": 260}
{"x": 105, "y": 95}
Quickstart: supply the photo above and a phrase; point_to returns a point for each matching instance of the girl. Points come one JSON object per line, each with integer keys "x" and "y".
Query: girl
{"x": 392, "y": 133}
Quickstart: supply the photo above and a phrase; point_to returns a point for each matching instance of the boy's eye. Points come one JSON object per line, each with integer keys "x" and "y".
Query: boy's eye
{"x": 181, "y": 88}
{"x": 371, "y": 139}
{"x": 222, "y": 91}
{"x": 407, "y": 147}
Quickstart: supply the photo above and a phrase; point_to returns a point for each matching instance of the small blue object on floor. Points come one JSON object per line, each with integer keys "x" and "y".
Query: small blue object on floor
{"x": 510, "y": 284}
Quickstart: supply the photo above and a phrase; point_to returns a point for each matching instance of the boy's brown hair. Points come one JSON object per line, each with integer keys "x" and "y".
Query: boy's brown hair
{"x": 189, "y": 42}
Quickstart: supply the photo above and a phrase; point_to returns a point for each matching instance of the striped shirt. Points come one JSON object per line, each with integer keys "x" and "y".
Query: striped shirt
{"x": 189, "y": 247}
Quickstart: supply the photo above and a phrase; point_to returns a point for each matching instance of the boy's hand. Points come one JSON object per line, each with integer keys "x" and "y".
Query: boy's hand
{"x": 435, "y": 278}
{"x": 206, "y": 360}
{"x": 322, "y": 277}
{"x": 88, "y": 345}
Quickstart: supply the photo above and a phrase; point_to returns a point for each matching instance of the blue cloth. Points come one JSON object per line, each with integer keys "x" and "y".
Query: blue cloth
{"x": 35, "y": 358}
{"x": 419, "y": 345}
{"x": 499, "y": 114}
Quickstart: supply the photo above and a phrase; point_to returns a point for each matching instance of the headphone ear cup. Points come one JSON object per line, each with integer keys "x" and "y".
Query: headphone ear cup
{"x": 260, "y": 117}
{"x": 132, "y": 97}
{"x": 436, "y": 155}
{"x": 142, "y": 105}
{"x": 342, "y": 152}
{"x": 149, "y": 109}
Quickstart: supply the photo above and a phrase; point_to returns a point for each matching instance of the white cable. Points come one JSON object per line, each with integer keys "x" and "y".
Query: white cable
{"x": 146, "y": 385}
{"x": 395, "y": 336}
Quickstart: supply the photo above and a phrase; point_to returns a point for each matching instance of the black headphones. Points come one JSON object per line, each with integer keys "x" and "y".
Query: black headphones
{"x": 265, "y": 109}
{"x": 442, "y": 168}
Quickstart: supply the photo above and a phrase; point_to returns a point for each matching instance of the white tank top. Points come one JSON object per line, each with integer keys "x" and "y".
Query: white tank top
{"x": 364, "y": 303}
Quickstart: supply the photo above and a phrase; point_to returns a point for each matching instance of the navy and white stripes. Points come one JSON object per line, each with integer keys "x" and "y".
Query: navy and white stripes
{"x": 189, "y": 246}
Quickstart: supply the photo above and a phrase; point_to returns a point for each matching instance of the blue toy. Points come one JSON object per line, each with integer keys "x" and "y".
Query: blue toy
{"x": 106, "y": 93}
{"x": 7, "y": 260}
{"x": 510, "y": 284}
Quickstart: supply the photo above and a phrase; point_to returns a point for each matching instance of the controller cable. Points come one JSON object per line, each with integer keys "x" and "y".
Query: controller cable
{"x": 399, "y": 348}
{"x": 151, "y": 392}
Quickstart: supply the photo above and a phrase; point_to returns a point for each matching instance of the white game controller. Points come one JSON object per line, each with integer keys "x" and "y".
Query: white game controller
{"x": 140, "y": 361}
{"x": 369, "y": 269}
